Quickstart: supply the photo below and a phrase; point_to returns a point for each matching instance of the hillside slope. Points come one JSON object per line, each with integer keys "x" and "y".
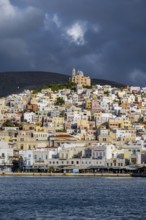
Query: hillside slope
{"x": 15, "y": 82}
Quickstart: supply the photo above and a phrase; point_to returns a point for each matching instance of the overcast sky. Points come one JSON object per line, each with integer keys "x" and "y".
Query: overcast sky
{"x": 103, "y": 38}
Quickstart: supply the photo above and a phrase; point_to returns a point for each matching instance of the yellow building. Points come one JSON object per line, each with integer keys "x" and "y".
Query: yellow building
{"x": 4, "y": 136}
{"x": 104, "y": 139}
{"x": 88, "y": 104}
{"x": 119, "y": 123}
{"x": 94, "y": 96}
{"x": 27, "y": 141}
{"x": 79, "y": 78}
{"x": 58, "y": 123}
{"x": 83, "y": 124}
{"x": 126, "y": 124}
{"x": 123, "y": 135}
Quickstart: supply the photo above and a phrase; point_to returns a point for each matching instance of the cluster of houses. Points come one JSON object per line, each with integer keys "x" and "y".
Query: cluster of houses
{"x": 92, "y": 128}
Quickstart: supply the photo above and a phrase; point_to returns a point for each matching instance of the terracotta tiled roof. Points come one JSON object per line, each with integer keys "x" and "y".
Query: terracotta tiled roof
{"x": 63, "y": 135}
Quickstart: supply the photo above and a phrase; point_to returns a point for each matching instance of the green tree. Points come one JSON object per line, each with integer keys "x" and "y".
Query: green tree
{"x": 60, "y": 101}
{"x": 8, "y": 123}
{"x": 17, "y": 165}
{"x": 51, "y": 169}
{"x": 56, "y": 87}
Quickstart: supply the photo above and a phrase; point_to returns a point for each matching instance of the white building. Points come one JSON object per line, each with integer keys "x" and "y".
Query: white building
{"x": 28, "y": 116}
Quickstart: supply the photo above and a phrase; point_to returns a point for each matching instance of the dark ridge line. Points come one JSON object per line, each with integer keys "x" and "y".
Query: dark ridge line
{"x": 17, "y": 81}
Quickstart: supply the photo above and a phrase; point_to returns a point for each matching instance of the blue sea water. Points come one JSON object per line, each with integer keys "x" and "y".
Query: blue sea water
{"x": 72, "y": 198}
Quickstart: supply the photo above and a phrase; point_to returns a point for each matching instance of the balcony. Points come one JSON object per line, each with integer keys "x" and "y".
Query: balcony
{"x": 39, "y": 161}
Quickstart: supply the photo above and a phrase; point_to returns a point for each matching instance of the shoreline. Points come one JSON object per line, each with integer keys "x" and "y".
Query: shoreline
{"x": 66, "y": 174}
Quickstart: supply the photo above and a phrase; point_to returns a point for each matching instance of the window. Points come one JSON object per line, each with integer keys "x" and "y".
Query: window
{"x": 3, "y": 155}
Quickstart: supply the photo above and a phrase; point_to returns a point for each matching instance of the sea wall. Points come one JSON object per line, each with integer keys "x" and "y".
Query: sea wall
{"x": 69, "y": 174}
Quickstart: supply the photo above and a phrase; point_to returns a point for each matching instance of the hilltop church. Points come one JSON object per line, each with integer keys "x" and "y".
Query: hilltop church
{"x": 79, "y": 78}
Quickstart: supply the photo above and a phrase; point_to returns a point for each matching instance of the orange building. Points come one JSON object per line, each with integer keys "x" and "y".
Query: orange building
{"x": 32, "y": 107}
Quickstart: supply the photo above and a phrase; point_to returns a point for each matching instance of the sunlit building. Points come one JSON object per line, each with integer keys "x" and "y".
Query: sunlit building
{"x": 79, "y": 78}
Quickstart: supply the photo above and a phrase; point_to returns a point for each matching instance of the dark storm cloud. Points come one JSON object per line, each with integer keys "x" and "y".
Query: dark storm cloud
{"x": 106, "y": 39}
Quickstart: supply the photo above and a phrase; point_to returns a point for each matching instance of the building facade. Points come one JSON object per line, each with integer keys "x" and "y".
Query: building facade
{"x": 79, "y": 78}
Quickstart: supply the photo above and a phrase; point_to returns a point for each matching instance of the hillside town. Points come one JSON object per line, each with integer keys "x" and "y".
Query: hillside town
{"x": 75, "y": 128}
